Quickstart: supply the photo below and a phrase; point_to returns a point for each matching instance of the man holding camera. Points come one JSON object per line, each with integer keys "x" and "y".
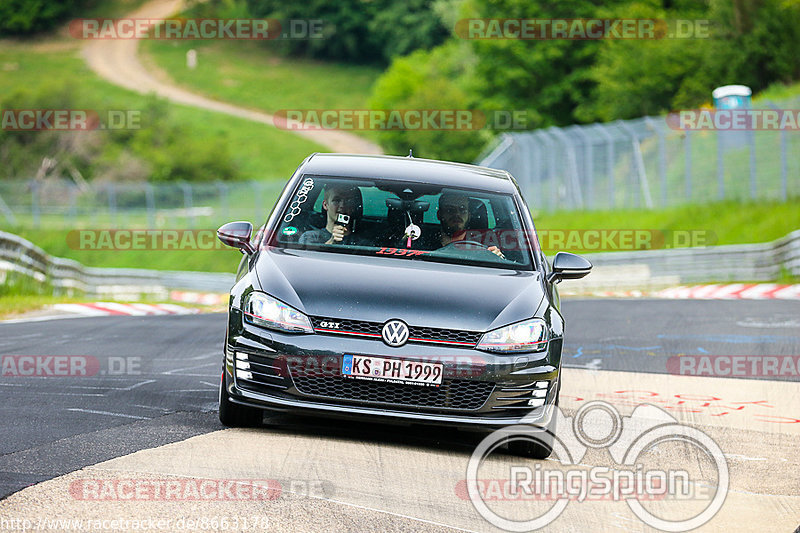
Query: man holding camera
{"x": 341, "y": 205}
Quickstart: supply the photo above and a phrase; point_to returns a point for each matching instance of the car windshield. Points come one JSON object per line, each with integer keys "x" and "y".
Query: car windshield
{"x": 404, "y": 221}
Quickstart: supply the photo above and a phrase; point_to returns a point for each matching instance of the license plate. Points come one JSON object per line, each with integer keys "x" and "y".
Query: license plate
{"x": 392, "y": 370}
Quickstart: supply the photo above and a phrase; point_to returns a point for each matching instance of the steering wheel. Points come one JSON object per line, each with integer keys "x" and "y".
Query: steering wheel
{"x": 476, "y": 243}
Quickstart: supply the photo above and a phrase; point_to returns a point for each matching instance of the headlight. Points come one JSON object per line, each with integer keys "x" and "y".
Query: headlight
{"x": 527, "y": 336}
{"x": 264, "y": 310}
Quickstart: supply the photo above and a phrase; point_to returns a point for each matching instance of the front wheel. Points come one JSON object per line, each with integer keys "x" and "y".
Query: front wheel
{"x": 234, "y": 415}
{"x": 538, "y": 447}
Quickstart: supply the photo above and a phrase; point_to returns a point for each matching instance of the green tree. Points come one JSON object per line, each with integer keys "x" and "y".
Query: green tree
{"x": 752, "y": 42}
{"x": 365, "y": 31}
{"x": 19, "y": 17}
{"x": 546, "y": 78}
{"x": 430, "y": 80}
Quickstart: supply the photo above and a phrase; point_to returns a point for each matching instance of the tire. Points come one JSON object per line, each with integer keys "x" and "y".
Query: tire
{"x": 542, "y": 446}
{"x": 234, "y": 415}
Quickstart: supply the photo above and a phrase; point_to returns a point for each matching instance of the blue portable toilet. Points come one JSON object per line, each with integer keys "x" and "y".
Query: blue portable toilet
{"x": 732, "y": 97}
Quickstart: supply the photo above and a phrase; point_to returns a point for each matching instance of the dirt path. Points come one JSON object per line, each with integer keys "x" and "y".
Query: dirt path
{"x": 117, "y": 62}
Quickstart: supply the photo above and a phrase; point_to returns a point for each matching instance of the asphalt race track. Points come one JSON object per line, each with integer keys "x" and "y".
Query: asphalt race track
{"x": 146, "y": 412}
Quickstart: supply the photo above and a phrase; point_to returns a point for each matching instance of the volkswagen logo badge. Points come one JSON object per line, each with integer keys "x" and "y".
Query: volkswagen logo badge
{"x": 395, "y": 333}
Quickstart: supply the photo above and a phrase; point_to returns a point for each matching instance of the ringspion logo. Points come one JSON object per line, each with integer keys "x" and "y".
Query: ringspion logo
{"x": 544, "y": 489}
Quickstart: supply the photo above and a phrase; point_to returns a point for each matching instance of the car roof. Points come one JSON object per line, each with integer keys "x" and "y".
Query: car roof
{"x": 410, "y": 169}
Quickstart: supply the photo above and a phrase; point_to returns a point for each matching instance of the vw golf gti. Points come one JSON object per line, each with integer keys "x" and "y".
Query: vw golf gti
{"x": 397, "y": 289}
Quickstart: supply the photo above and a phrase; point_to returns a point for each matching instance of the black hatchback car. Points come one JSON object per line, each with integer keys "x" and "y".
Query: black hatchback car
{"x": 398, "y": 289}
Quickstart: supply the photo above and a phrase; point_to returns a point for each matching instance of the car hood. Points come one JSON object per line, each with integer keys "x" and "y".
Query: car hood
{"x": 377, "y": 289}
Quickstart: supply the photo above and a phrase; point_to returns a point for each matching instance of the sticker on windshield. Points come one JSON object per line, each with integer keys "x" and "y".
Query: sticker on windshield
{"x": 289, "y": 231}
{"x": 302, "y": 196}
{"x": 401, "y": 252}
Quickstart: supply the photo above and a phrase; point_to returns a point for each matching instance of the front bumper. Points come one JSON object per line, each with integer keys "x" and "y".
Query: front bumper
{"x": 301, "y": 374}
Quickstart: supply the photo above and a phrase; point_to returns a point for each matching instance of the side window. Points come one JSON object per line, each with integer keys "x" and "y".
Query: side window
{"x": 318, "y": 204}
{"x": 490, "y": 215}
{"x": 491, "y": 222}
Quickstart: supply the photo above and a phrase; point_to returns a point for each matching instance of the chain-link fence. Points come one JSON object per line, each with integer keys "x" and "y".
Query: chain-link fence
{"x": 644, "y": 163}
{"x": 53, "y": 203}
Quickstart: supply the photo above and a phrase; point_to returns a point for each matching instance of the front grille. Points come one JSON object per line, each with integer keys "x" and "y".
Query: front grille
{"x": 451, "y": 394}
{"x": 417, "y": 334}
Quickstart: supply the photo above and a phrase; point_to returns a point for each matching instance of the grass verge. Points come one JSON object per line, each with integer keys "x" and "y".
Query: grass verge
{"x": 19, "y": 304}
{"x": 245, "y": 71}
{"x": 259, "y": 152}
{"x": 716, "y": 224}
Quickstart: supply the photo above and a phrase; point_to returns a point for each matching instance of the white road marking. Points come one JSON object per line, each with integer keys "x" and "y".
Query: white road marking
{"x": 92, "y": 411}
{"x": 169, "y": 372}
{"x": 151, "y": 407}
{"x": 593, "y": 365}
{"x": 138, "y": 384}
{"x": 69, "y": 393}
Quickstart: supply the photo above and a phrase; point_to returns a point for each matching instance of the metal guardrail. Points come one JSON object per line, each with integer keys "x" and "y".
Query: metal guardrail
{"x": 612, "y": 270}
{"x": 66, "y": 276}
{"x": 664, "y": 268}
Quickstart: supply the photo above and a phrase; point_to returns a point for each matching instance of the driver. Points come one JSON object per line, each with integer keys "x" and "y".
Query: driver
{"x": 338, "y": 200}
{"x": 453, "y": 214}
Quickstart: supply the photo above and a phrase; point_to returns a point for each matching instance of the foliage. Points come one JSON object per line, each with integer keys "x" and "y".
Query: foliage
{"x": 561, "y": 82}
{"x": 423, "y": 81}
{"x": 751, "y": 43}
{"x": 19, "y": 17}
{"x": 157, "y": 148}
{"x": 362, "y": 31}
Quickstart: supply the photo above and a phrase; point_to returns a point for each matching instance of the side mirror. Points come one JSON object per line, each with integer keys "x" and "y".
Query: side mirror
{"x": 237, "y": 235}
{"x": 569, "y": 266}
